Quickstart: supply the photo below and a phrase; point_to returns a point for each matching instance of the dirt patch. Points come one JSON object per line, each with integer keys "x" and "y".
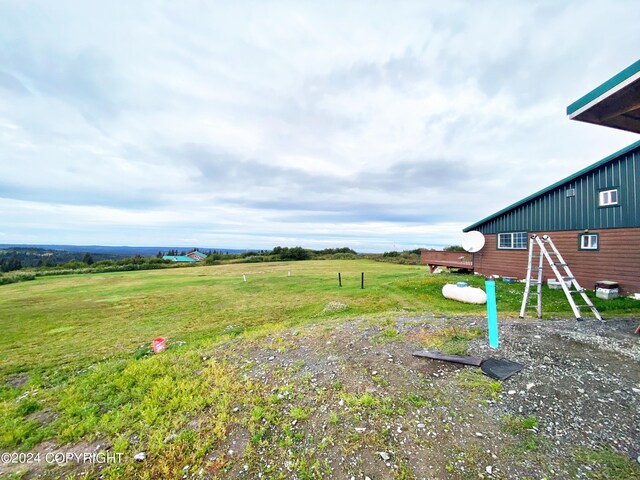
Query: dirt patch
{"x": 578, "y": 388}
{"x": 17, "y": 380}
{"x": 582, "y": 383}
{"x": 45, "y": 417}
{"x": 347, "y": 399}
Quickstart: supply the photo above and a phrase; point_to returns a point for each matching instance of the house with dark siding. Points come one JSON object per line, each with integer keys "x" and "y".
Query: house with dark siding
{"x": 592, "y": 216}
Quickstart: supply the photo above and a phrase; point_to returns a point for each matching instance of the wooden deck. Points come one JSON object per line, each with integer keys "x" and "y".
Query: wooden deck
{"x": 440, "y": 258}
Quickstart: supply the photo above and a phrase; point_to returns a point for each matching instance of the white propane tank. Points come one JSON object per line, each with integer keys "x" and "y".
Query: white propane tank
{"x": 464, "y": 294}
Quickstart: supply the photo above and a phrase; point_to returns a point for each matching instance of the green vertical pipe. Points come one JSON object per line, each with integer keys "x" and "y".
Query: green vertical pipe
{"x": 492, "y": 311}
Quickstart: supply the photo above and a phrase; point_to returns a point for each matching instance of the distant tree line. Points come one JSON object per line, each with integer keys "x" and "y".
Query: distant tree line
{"x": 41, "y": 262}
{"x": 407, "y": 257}
{"x": 10, "y": 264}
{"x": 279, "y": 254}
{"x": 399, "y": 254}
{"x": 27, "y": 257}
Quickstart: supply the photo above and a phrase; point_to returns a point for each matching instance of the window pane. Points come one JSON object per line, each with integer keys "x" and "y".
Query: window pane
{"x": 589, "y": 242}
{"x": 609, "y": 197}
{"x": 504, "y": 240}
{"x": 520, "y": 240}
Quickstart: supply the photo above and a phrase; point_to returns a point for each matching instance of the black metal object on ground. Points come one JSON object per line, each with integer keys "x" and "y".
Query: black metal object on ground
{"x": 464, "y": 359}
{"x": 500, "y": 369}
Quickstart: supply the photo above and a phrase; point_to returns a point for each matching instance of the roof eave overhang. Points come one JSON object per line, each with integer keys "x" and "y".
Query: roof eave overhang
{"x": 615, "y": 103}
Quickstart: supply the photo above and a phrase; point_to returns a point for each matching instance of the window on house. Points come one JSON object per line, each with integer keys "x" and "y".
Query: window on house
{"x": 608, "y": 197}
{"x": 512, "y": 241}
{"x": 588, "y": 241}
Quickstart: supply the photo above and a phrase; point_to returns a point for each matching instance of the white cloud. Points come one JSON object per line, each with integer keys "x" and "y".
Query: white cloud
{"x": 261, "y": 123}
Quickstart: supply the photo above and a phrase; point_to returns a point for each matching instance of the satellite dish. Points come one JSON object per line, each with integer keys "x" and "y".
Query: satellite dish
{"x": 473, "y": 241}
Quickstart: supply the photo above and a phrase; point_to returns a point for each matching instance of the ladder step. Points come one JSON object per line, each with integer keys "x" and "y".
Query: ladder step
{"x": 568, "y": 278}
{"x": 582, "y": 290}
{"x": 560, "y": 264}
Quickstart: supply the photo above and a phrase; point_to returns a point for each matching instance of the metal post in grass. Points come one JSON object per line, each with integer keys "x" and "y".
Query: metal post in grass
{"x": 492, "y": 311}
{"x": 339, "y": 279}
{"x": 362, "y": 280}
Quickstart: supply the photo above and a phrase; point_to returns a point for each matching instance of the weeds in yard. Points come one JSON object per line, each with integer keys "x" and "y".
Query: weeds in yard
{"x": 526, "y": 429}
{"x": 417, "y": 400}
{"x": 519, "y": 425}
{"x": 333, "y": 419}
{"x": 472, "y": 380}
{"x": 451, "y": 340}
{"x": 299, "y": 413}
{"x": 386, "y": 335}
{"x": 605, "y": 463}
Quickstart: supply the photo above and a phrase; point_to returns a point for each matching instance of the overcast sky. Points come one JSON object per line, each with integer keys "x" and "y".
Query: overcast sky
{"x": 373, "y": 125}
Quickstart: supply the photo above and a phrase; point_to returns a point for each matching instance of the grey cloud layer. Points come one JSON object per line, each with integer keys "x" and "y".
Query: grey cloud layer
{"x": 290, "y": 121}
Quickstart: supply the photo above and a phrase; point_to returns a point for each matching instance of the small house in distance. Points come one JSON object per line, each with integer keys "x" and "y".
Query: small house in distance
{"x": 197, "y": 256}
{"x": 179, "y": 258}
{"x": 193, "y": 256}
{"x": 592, "y": 216}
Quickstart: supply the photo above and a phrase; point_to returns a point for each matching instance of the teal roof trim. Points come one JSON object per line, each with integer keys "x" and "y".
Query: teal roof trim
{"x": 199, "y": 254}
{"x": 611, "y": 157}
{"x": 604, "y": 88}
{"x": 178, "y": 258}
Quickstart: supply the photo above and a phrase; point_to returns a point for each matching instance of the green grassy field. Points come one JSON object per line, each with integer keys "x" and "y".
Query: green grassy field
{"x": 77, "y": 319}
{"x": 81, "y": 343}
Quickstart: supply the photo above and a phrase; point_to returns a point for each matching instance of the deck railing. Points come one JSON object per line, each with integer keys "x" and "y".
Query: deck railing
{"x": 440, "y": 258}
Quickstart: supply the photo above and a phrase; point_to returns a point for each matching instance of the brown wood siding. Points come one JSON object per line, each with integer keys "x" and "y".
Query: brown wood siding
{"x": 618, "y": 258}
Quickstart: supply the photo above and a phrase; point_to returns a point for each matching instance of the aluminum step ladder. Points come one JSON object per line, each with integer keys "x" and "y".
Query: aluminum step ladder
{"x": 555, "y": 260}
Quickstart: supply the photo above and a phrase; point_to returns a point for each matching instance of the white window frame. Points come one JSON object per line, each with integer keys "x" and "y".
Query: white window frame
{"x": 606, "y": 197}
{"x": 511, "y": 236}
{"x": 587, "y": 245}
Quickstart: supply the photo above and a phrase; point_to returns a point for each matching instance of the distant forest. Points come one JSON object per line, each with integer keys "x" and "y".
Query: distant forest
{"x": 15, "y": 258}
{"x": 51, "y": 261}
{"x": 48, "y": 259}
